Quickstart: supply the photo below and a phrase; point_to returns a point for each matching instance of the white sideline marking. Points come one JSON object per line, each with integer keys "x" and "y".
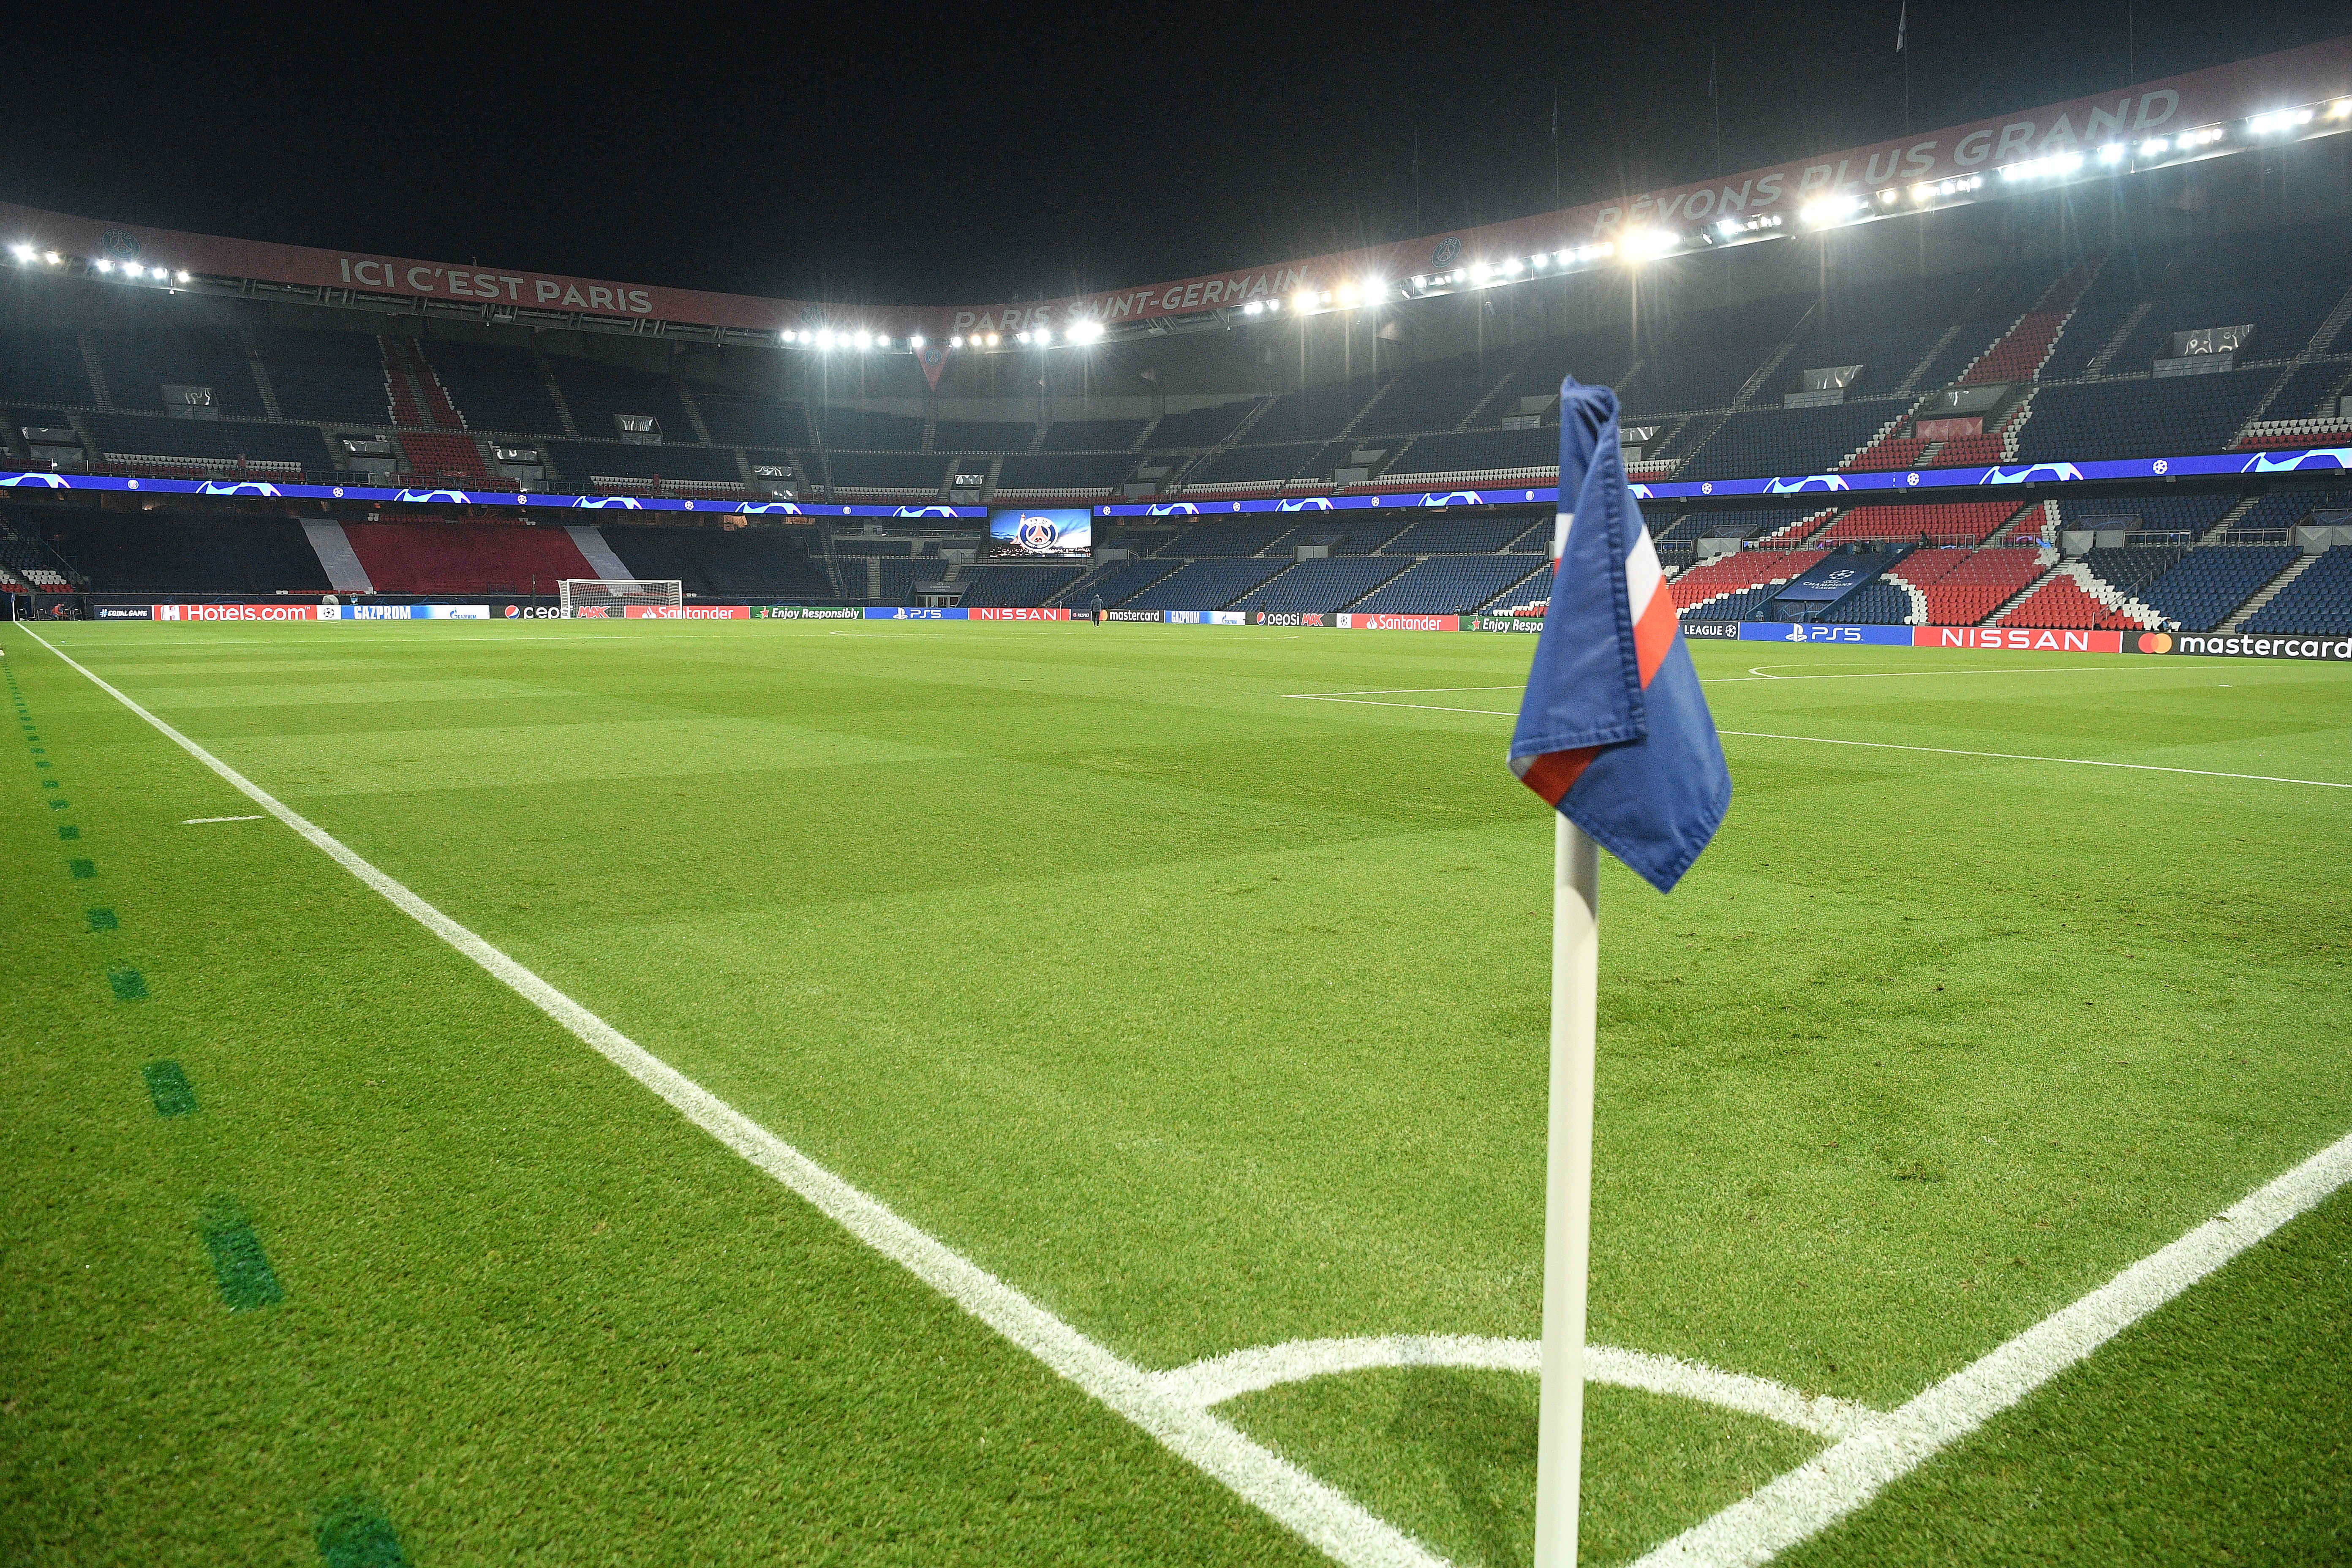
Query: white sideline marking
{"x": 1845, "y": 1477}
{"x": 1872, "y": 745}
{"x": 1323, "y": 1516}
{"x": 2019, "y": 757}
{"x": 1220, "y": 1378}
{"x": 195, "y": 821}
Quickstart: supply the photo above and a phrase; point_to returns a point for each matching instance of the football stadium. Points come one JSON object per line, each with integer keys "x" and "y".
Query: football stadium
{"x": 656, "y": 925}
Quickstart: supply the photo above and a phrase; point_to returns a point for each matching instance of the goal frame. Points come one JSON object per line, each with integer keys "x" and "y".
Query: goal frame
{"x": 606, "y": 595}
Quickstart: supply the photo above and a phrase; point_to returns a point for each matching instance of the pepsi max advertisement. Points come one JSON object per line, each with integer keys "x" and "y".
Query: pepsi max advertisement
{"x": 1034, "y": 533}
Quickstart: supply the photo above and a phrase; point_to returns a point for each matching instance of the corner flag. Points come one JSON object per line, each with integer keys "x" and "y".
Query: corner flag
{"x": 1613, "y": 730}
{"x": 1614, "y": 734}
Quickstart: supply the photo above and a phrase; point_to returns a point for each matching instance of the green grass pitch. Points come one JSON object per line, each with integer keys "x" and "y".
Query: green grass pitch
{"x": 1207, "y": 1016}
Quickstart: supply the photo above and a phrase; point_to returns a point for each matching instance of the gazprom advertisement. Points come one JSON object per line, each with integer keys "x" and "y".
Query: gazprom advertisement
{"x": 1060, "y": 532}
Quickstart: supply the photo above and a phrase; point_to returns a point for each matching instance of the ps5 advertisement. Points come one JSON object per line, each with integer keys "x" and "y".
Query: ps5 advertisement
{"x": 1059, "y": 533}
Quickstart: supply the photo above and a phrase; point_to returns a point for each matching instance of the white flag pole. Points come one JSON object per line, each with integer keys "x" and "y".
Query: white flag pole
{"x": 1568, "y": 1191}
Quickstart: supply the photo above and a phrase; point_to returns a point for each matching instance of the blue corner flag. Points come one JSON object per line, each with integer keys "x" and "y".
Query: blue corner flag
{"x": 1613, "y": 730}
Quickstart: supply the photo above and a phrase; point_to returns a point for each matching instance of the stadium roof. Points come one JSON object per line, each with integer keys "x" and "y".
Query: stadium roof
{"x": 2269, "y": 100}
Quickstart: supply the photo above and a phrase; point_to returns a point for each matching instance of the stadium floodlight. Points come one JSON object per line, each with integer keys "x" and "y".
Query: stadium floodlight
{"x": 993, "y": 340}
{"x": 612, "y": 598}
{"x": 2278, "y": 119}
{"x": 1511, "y": 267}
{"x": 1830, "y": 209}
{"x": 1303, "y": 301}
{"x": 103, "y": 265}
{"x": 1253, "y": 309}
{"x": 183, "y": 275}
{"x": 2154, "y": 145}
{"x": 1477, "y": 272}
{"x": 22, "y": 252}
{"x": 1640, "y": 244}
{"x": 915, "y": 341}
{"x": 1044, "y": 336}
{"x": 1085, "y": 331}
{"x": 2340, "y": 109}
{"x": 52, "y": 257}
{"x": 824, "y": 337}
{"x": 2112, "y": 152}
{"x": 1273, "y": 307}
{"x": 1885, "y": 196}
{"x": 1540, "y": 260}
{"x": 1347, "y": 296}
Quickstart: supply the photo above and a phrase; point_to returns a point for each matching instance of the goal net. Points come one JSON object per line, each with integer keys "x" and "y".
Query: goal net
{"x": 611, "y": 598}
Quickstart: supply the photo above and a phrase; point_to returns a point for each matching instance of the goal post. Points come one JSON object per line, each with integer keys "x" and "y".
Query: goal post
{"x": 611, "y": 598}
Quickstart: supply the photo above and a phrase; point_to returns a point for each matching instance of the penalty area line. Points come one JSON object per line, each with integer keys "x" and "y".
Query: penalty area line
{"x": 1323, "y": 1516}
{"x": 1844, "y": 1478}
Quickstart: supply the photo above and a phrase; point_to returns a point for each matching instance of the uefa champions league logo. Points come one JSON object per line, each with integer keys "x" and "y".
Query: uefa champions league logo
{"x": 1036, "y": 533}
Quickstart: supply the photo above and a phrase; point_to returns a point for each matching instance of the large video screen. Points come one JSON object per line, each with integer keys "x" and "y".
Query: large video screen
{"x": 1055, "y": 532}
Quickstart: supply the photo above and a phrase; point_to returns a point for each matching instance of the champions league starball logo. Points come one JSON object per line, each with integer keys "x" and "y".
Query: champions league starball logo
{"x": 1036, "y": 533}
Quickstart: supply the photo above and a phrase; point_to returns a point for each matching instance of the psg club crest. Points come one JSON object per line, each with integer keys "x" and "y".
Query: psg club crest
{"x": 1448, "y": 252}
{"x": 1037, "y": 533}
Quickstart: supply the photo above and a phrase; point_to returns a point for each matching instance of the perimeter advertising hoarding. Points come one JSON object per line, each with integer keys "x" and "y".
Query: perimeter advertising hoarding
{"x": 1815, "y": 631}
{"x": 1364, "y": 622}
{"x": 1506, "y": 624}
{"x": 1020, "y": 613}
{"x": 1208, "y": 617}
{"x": 1289, "y": 618}
{"x": 2023, "y": 639}
{"x": 686, "y": 611}
{"x": 1060, "y": 533}
{"x": 2239, "y": 645}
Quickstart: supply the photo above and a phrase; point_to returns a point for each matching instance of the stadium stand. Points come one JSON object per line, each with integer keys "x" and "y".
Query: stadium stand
{"x": 139, "y": 361}
{"x": 1240, "y": 468}
{"x": 1115, "y": 582}
{"x": 465, "y": 558}
{"x": 1432, "y": 396}
{"x": 1224, "y": 539}
{"x": 1320, "y": 587}
{"x": 1203, "y": 585}
{"x": 1317, "y": 414}
{"x": 1043, "y": 473}
{"x": 150, "y": 442}
{"x": 1738, "y": 573}
{"x": 754, "y": 422}
{"x": 1448, "y": 584}
{"x": 2143, "y": 418}
{"x": 200, "y": 549}
{"x": 326, "y": 375}
{"x": 1789, "y": 440}
{"x": 994, "y": 586}
{"x": 44, "y": 367}
{"x": 711, "y": 563}
{"x": 2319, "y": 602}
{"x": 967, "y": 435}
{"x": 903, "y": 473}
{"x": 1092, "y": 435}
{"x": 601, "y": 395}
{"x": 443, "y": 456}
{"x": 1502, "y": 453}
{"x": 1199, "y": 426}
{"x": 1956, "y": 587}
{"x": 1458, "y": 535}
{"x": 1942, "y": 523}
{"x": 1880, "y": 604}
{"x": 2207, "y": 584}
{"x": 492, "y": 386}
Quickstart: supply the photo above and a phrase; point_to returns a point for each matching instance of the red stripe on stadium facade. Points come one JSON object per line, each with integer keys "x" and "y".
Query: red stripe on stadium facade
{"x": 2315, "y": 73}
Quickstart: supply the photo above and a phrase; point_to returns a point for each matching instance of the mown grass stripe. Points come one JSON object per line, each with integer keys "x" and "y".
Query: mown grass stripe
{"x": 68, "y": 830}
{"x": 82, "y": 868}
{"x": 101, "y": 920}
{"x": 240, "y": 1267}
{"x": 354, "y": 1534}
{"x": 129, "y": 984}
{"x": 168, "y": 1086}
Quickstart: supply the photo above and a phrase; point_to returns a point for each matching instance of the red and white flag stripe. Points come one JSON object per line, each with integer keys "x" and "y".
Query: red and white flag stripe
{"x": 1554, "y": 774}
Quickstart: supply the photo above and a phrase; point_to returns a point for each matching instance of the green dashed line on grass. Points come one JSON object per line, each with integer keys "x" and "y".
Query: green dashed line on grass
{"x": 352, "y": 1533}
{"x": 49, "y": 783}
{"x": 129, "y": 984}
{"x": 68, "y": 830}
{"x": 240, "y": 1267}
{"x": 168, "y": 1086}
{"x": 101, "y": 920}
{"x": 59, "y": 805}
{"x": 82, "y": 868}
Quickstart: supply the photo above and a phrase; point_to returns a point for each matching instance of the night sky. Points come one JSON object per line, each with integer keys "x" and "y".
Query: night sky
{"x": 930, "y": 155}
